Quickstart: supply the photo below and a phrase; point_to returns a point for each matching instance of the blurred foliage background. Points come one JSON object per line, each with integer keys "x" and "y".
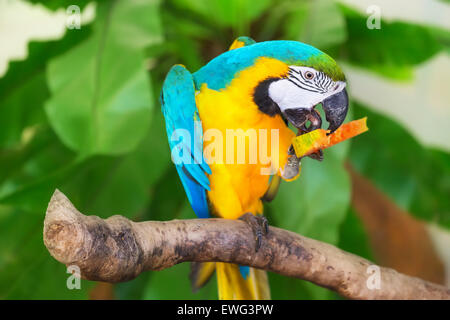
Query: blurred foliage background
{"x": 80, "y": 113}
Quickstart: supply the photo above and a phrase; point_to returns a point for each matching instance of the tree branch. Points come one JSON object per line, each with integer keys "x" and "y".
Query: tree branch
{"x": 117, "y": 249}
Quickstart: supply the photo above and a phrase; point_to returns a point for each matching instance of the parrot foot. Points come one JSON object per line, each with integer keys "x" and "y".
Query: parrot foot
{"x": 292, "y": 167}
{"x": 259, "y": 225}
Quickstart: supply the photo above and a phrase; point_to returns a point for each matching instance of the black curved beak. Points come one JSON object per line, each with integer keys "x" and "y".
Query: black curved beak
{"x": 336, "y": 108}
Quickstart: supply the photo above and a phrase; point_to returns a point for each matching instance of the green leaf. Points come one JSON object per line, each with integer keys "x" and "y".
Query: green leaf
{"x": 315, "y": 204}
{"x": 399, "y": 45}
{"x": 106, "y": 186}
{"x": 443, "y": 36}
{"x": 18, "y": 113}
{"x": 237, "y": 14}
{"x": 180, "y": 46}
{"x": 57, "y": 4}
{"x": 133, "y": 289}
{"x": 416, "y": 178}
{"x": 30, "y": 174}
{"x": 161, "y": 285}
{"x": 28, "y": 270}
{"x": 23, "y": 89}
{"x": 101, "y": 94}
{"x": 319, "y": 23}
{"x": 100, "y": 185}
{"x": 167, "y": 198}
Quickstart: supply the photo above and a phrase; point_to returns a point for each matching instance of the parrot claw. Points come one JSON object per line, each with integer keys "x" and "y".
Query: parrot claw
{"x": 259, "y": 225}
{"x": 292, "y": 167}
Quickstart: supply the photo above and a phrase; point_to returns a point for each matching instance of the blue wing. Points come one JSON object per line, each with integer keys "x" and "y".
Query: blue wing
{"x": 185, "y": 135}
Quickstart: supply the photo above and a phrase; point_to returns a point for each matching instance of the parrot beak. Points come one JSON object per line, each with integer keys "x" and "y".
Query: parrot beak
{"x": 335, "y": 108}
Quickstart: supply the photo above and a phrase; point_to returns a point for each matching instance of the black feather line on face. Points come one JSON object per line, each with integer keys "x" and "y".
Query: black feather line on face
{"x": 262, "y": 99}
{"x": 305, "y": 85}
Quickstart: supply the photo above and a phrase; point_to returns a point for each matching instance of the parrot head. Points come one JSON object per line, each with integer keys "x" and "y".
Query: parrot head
{"x": 297, "y": 95}
{"x": 307, "y": 84}
{"x": 308, "y": 78}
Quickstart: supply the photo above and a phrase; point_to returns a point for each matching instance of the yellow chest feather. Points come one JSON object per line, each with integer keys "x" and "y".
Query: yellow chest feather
{"x": 241, "y": 171}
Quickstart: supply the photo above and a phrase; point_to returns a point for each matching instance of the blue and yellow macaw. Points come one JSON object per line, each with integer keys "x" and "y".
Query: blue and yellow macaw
{"x": 252, "y": 86}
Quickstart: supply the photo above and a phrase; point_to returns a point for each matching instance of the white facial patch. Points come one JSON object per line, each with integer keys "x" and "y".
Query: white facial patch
{"x": 303, "y": 88}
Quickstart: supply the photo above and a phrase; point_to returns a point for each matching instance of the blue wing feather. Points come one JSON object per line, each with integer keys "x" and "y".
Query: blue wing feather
{"x": 180, "y": 112}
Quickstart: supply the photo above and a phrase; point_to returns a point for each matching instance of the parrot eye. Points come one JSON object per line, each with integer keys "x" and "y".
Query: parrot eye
{"x": 309, "y": 75}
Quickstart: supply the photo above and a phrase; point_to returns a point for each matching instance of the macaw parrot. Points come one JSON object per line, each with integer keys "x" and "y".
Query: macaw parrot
{"x": 264, "y": 85}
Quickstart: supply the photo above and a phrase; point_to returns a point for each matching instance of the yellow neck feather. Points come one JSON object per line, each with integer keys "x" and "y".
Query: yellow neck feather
{"x": 245, "y": 82}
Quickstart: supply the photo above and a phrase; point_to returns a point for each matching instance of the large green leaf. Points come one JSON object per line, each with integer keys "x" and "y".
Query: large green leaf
{"x": 443, "y": 36}
{"x": 416, "y": 178}
{"x": 235, "y": 14}
{"x": 315, "y": 204}
{"x": 101, "y": 93}
{"x": 57, "y": 4}
{"x": 162, "y": 284}
{"x": 18, "y": 112}
{"x": 318, "y": 22}
{"x": 28, "y": 270}
{"x": 122, "y": 185}
{"x": 180, "y": 46}
{"x": 392, "y": 50}
{"x": 23, "y": 89}
{"x": 101, "y": 185}
{"x": 29, "y": 175}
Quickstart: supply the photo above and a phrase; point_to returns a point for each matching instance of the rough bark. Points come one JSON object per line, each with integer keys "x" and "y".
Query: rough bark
{"x": 117, "y": 249}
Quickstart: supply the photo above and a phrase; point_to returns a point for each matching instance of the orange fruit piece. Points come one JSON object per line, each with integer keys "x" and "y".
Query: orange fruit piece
{"x": 316, "y": 140}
